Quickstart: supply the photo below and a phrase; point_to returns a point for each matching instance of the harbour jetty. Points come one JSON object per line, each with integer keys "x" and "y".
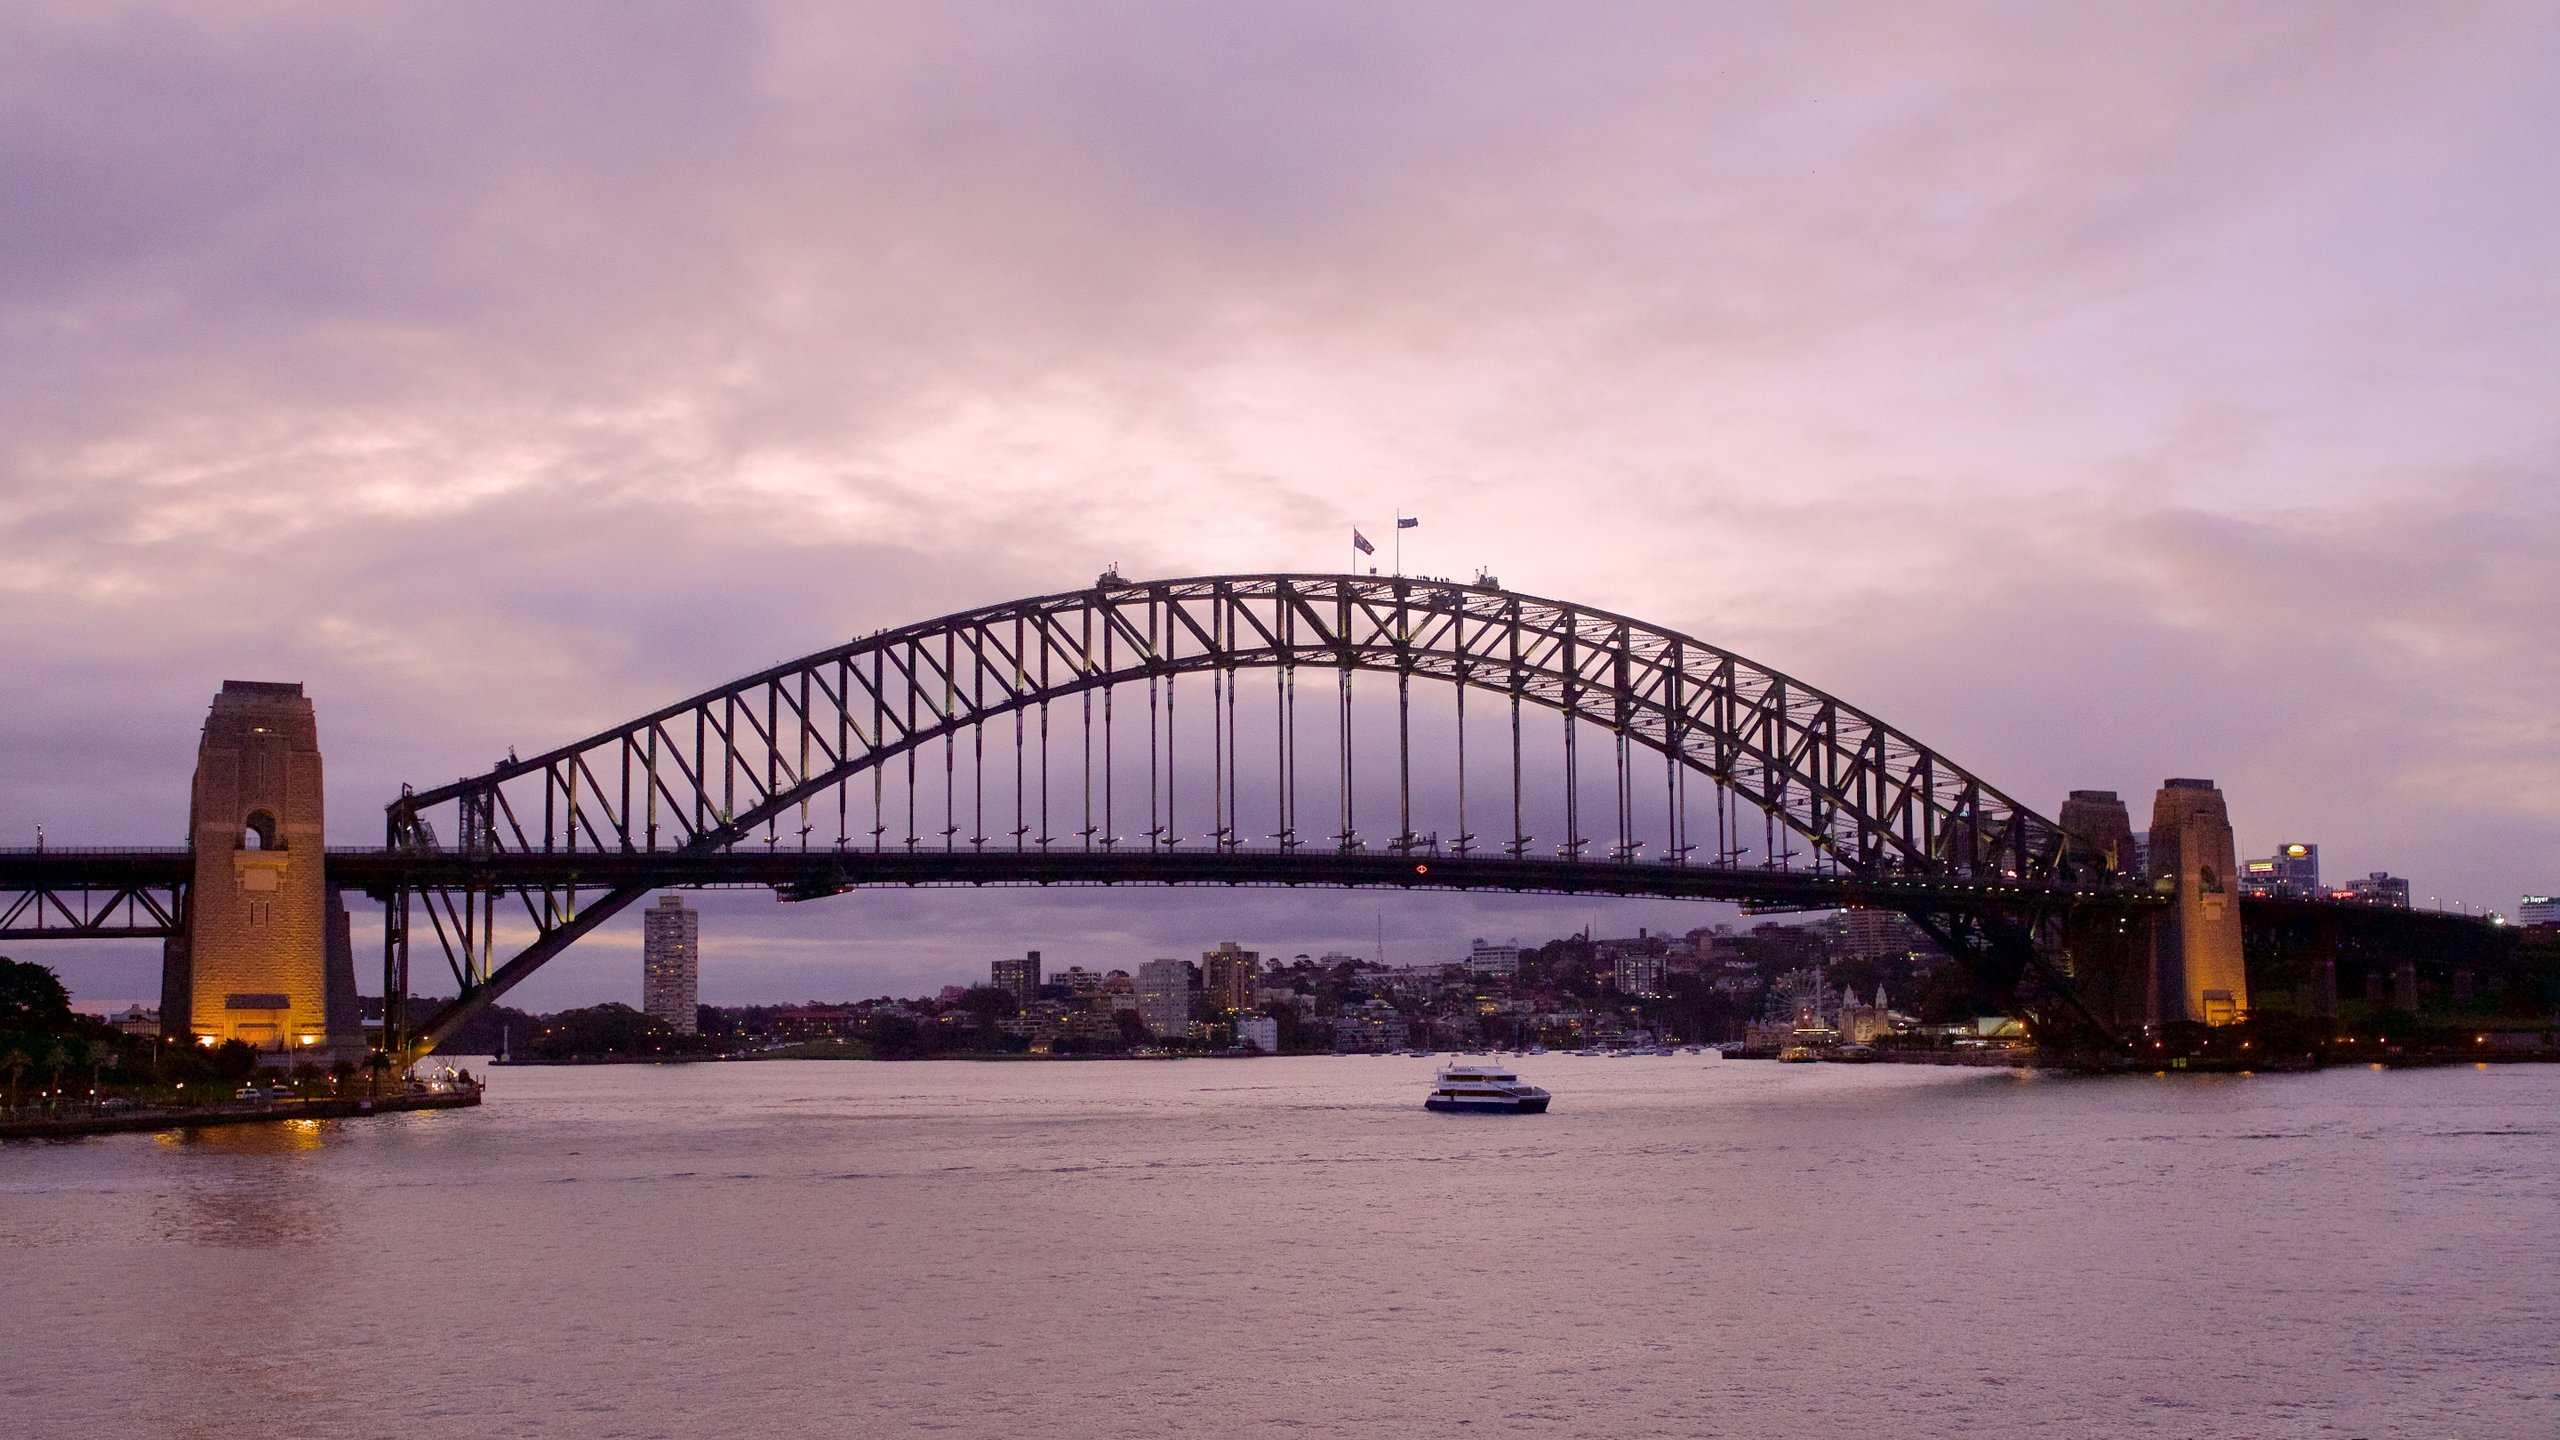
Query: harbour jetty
{"x": 438, "y": 1095}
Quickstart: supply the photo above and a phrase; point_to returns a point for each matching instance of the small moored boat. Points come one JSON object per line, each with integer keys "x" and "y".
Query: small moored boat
{"x": 1493, "y": 1089}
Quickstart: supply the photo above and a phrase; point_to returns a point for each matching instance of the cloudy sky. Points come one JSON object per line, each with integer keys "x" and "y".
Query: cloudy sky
{"x": 2097, "y": 392}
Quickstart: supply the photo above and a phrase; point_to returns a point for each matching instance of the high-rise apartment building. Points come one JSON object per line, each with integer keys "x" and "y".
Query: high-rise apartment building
{"x": 671, "y": 964}
{"x": 1874, "y": 935}
{"x": 1498, "y": 961}
{"x": 1638, "y": 973}
{"x": 2293, "y": 871}
{"x": 1164, "y": 997}
{"x": 1229, "y": 974}
{"x": 1018, "y": 978}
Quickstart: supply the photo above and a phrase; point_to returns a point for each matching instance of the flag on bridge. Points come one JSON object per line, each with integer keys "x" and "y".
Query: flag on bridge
{"x": 1361, "y": 543}
{"x": 1407, "y": 522}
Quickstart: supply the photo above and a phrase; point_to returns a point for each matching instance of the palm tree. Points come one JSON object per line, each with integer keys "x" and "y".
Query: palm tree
{"x": 100, "y": 1055}
{"x": 14, "y": 1060}
{"x": 56, "y": 1056}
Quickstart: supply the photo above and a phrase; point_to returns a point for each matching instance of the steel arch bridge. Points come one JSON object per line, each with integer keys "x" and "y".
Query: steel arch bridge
{"x": 1226, "y": 704}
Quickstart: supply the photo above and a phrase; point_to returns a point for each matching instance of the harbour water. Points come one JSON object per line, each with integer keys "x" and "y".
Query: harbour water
{"x": 1681, "y": 1247}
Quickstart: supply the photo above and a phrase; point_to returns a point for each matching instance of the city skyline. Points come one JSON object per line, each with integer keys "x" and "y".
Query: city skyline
{"x": 2092, "y": 417}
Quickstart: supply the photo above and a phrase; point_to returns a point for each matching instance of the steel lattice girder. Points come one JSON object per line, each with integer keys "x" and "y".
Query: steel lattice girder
{"x": 712, "y": 769}
{"x": 74, "y": 895}
{"x": 133, "y": 912}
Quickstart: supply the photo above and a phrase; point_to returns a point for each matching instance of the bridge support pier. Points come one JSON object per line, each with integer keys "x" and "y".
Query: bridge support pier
{"x": 2108, "y": 951}
{"x": 2197, "y": 971}
{"x": 264, "y": 931}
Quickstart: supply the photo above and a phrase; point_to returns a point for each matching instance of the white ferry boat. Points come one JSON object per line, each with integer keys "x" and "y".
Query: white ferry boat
{"x": 1489, "y": 1088}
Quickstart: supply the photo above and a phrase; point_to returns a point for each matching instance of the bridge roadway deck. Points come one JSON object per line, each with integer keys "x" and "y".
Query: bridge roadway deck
{"x": 133, "y": 894}
{"x": 809, "y": 874}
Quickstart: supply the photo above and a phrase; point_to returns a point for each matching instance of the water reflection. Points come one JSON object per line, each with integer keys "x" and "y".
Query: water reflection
{"x": 249, "y": 1187}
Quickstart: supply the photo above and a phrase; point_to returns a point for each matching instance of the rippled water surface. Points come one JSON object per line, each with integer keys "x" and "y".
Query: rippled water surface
{"x": 1682, "y": 1247}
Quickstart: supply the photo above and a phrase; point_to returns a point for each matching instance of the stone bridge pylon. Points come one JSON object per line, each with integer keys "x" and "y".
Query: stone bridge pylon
{"x": 2178, "y": 963}
{"x": 266, "y": 956}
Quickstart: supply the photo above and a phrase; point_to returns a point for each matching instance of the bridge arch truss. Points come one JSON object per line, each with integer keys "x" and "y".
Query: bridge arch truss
{"x": 765, "y": 763}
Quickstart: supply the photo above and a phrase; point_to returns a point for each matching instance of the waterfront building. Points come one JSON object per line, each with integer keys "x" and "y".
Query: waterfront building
{"x": 1089, "y": 1026}
{"x": 1017, "y": 978}
{"x": 1864, "y": 1024}
{"x": 1769, "y": 1034}
{"x": 1119, "y": 991}
{"x": 1081, "y": 983}
{"x": 671, "y": 963}
{"x": 1644, "y": 942}
{"x": 1259, "y": 1032}
{"x": 2292, "y": 872}
{"x": 1869, "y": 934}
{"x": 1229, "y": 974}
{"x": 1736, "y": 977}
{"x": 1164, "y": 998}
{"x": 2379, "y": 888}
{"x": 1638, "y": 972}
{"x": 1040, "y": 1021}
{"x": 810, "y": 1022}
{"x": 1498, "y": 961}
{"x": 1414, "y": 982}
{"x": 1796, "y": 945}
{"x": 1724, "y": 958}
{"x": 1373, "y": 1026}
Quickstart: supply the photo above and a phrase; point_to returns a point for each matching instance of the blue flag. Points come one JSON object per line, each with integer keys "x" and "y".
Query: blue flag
{"x": 1404, "y": 524}
{"x": 1361, "y": 543}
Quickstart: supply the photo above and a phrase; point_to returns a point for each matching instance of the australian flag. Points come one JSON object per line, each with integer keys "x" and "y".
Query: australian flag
{"x": 1361, "y": 543}
{"x": 1404, "y": 522}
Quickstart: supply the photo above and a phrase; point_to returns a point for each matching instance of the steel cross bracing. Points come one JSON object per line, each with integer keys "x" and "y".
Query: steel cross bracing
{"x": 769, "y": 760}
